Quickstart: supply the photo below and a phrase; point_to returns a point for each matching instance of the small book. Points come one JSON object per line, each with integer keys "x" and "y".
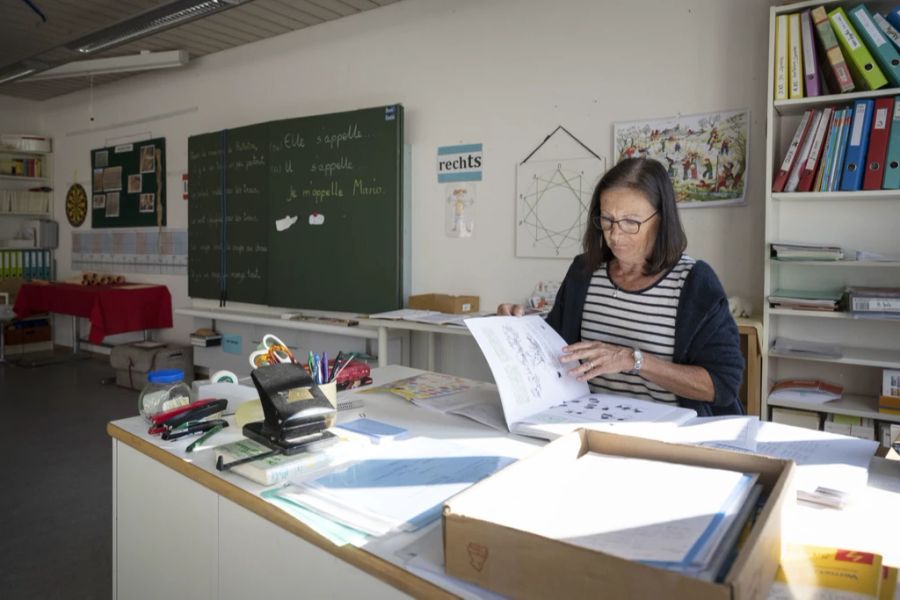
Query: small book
{"x": 271, "y": 469}
{"x": 820, "y": 572}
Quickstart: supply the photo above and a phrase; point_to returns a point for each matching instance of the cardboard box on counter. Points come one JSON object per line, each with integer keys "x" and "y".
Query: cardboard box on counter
{"x": 521, "y": 564}
{"x": 445, "y": 303}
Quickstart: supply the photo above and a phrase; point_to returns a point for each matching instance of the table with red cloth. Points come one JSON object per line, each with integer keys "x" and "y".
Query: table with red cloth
{"x": 111, "y": 308}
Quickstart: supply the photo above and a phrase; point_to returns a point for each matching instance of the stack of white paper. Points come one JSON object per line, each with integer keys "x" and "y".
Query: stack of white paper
{"x": 641, "y": 510}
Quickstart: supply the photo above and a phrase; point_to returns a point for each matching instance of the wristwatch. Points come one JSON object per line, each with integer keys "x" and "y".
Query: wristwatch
{"x": 638, "y": 360}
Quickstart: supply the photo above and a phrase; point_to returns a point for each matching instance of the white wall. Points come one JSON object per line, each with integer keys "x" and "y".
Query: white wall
{"x": 501, "y": 72}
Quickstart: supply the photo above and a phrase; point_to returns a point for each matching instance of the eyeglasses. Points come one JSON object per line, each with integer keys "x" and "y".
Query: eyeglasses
{"x": 630, "y": 226}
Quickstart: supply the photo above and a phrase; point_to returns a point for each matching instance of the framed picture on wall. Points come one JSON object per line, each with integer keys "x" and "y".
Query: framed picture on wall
{"x": 112, "y": 204}
{"x": 148, "y": 162}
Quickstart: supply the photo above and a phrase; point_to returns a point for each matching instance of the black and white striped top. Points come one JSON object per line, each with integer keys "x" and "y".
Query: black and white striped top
{"x": 644, "y": 318}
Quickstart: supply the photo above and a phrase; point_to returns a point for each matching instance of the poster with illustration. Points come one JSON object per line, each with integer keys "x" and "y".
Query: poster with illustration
{"x": 459, "y": 212}
{"x": 705, "y": 155}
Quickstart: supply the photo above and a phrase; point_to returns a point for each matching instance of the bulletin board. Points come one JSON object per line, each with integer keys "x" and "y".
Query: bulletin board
{"x": 129, "y": 185}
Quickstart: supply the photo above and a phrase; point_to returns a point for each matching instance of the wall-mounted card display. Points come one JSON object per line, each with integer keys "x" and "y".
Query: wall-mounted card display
{"x": 129, "y": 185}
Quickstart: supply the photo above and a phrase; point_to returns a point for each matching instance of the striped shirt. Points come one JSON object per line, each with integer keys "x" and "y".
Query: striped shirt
{"x": 644, "y": 318}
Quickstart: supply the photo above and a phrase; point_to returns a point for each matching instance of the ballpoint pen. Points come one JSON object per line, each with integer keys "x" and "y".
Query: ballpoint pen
{"x": 324, "y": 367}
{"x": 216, "y": 429}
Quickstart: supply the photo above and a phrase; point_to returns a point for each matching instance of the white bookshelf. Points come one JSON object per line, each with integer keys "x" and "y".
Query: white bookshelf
{"x": 862, "y": 220}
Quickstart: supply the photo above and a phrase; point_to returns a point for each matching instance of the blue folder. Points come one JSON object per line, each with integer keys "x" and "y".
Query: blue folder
{"x": 855, "y": 159}
{"x": 892, "y": 161}
{"x": 879, "y": 45}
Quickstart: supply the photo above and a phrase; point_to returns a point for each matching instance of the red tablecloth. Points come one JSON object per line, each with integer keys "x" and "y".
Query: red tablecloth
{"x": 110, "y": 308}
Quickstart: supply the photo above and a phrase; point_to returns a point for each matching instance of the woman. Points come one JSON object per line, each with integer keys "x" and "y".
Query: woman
{"x": 641, "y": 318}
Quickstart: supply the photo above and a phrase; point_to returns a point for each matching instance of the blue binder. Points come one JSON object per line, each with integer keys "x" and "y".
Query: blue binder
{"x": 855, "y": 159}
{"x": 892, "y": 161}
{"x": 879, "y": 45}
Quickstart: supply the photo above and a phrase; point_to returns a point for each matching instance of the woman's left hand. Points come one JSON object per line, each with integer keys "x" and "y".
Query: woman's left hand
{"x": 597, "y": 358}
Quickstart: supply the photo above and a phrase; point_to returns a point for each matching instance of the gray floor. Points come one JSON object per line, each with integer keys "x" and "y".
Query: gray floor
{"x": 56, "y": 479}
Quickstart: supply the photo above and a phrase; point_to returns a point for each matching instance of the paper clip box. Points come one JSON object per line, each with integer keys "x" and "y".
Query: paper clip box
{"x": 458, "y": 305}
{"x": 521, "y": 564}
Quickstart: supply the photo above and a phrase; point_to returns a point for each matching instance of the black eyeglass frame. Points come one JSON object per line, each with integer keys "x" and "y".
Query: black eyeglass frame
{"x": 597, "y": 221}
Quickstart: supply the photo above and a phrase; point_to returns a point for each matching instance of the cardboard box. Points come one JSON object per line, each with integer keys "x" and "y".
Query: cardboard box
{"x": 525, "y": 565}
{"x": 27, "y": 332}
{"x": 458, "y": 305}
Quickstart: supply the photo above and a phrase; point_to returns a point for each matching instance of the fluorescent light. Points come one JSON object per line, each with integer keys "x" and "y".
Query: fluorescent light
{"x": 144, "y": 61}
{"x": 14, "y": 76}
{"x": 152, "y": 21}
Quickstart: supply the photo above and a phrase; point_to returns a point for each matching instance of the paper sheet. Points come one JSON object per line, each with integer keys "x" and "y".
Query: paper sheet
{"x": 826, "y": 459}
{"x": 523, "y": 354}
{"x": 633, "y": 508}
{"x": 424, "y": 386}
{"x": 718, "y": 432}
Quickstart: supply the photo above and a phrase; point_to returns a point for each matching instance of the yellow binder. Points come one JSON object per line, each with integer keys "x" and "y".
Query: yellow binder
{"x": 863, "y": 67}
{"x": 795, "y": 56}
{"x": 781, "y": 60}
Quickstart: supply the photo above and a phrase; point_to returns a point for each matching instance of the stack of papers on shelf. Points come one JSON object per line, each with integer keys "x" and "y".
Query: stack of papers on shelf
{"x": 873, "y": 300}
{"x": 862, "y": 255}
{"x": 806, "y": 252}
{"x": 397, "y": 487}
{"x": 806, "y": 299}
{"x": 809, "y": 391}
{"x": 539, "y": 398}
{"x": 801, "y": 348}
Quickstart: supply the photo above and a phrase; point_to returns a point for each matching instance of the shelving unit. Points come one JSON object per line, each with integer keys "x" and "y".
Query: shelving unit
{"x": 862, "y": 220}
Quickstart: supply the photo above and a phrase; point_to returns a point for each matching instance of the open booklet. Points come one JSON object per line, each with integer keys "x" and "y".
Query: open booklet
{"x": 539, "y": 398}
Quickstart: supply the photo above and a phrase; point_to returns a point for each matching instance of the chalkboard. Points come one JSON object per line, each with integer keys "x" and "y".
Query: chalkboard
{"x": 303, "y": 212}
{"x": 129, "y": 185}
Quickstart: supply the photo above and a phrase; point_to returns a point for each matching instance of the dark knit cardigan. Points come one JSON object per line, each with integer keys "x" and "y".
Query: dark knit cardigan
{"x": 705, "y": 332}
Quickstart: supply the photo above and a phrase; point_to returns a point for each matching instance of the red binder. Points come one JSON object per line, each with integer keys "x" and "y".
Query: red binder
{"x": 787, "y": 165}
{"x": 878, "y": 143}
{"x": 808, "y": 170}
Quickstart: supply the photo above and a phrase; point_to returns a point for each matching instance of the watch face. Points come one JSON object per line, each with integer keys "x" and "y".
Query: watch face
{"x": 76, "y": 205}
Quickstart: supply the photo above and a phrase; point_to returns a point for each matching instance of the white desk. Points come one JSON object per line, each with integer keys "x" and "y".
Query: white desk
{"x": 181, "y": 528}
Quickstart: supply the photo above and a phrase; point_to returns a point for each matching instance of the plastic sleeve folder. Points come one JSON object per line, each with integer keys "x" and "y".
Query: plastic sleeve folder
{"x": 837, "y": 72}
{"x": 878, "y": 141}
{"x": 881, "y": 48}
{"x": 851, "y": 179}
{"x": 865, "y": 71}
{"x": 892, "y": 162}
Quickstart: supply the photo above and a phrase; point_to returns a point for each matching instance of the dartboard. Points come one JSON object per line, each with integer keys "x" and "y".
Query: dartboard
{"x": 76, "y": 205}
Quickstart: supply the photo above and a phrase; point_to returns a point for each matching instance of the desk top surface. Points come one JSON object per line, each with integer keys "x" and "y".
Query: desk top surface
{"x": 867, "y": 524}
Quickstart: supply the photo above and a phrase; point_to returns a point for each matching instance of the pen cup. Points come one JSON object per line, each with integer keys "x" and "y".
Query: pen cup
{"x": 330, "y": 391}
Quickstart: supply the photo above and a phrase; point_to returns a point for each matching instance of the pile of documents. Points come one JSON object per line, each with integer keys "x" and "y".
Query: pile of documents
{"x": 806, "y": 252}
{"x": 431, "y": 317}
{"x": 828, "y": 300}
{"x": 809, "y": 391}
{"x": 874, "y": 300}
{"x": 396, "y": 487}
{"x": 805, "y": 349}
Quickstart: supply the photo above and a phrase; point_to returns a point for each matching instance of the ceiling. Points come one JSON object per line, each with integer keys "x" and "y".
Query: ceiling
{"x": 25, "y": 37}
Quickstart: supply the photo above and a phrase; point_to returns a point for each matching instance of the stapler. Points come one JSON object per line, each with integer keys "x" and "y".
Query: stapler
{"x": 297, "y": 413}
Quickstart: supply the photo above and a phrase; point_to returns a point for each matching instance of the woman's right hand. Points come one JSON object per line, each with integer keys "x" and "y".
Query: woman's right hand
{"x": 515, "y": 310}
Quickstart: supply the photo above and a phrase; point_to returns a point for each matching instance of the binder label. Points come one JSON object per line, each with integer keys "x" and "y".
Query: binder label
{"x": 897, "y": 108}
{"x": 881, "y": 118}
{"x": 858, "y": 118}
{"x": 844, "y": 27}
{"x": 870, "y": 27}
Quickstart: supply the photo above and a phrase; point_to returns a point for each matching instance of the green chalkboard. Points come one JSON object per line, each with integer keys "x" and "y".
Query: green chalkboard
{"x": 129, "y": 185}
{"x": 205, "y": 172}
{"x": 306, "y": 212}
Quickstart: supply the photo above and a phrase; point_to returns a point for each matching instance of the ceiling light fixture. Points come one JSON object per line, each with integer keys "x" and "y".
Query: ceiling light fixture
{"x": 16, "y": 75}
{"x": 145, "y": 61}
{"x": 152, "y": 21}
